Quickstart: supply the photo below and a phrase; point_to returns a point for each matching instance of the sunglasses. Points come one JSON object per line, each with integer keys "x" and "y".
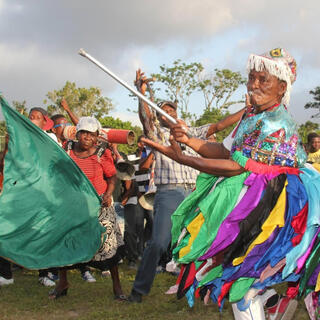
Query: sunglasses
{"x": 62, "y": 125}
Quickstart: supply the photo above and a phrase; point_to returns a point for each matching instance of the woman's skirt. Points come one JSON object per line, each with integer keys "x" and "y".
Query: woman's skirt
{"x": 248, "y": 232}
{"x": 112, "y": 249}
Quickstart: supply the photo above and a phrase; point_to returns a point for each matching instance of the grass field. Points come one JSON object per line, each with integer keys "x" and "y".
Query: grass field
{"x": 26, "y": 299}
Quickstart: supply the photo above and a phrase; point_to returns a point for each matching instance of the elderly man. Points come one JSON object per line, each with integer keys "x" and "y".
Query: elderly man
{"x": 238, "y": 233}
{"x": 173, "y": 181}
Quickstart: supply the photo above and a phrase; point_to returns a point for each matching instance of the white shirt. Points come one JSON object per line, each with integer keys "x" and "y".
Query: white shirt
{"x": 228, "y": 141}
{"x": 52, "y": 136}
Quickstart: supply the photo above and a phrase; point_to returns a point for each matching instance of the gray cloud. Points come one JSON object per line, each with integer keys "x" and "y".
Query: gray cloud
{"x": 39, "y": 39}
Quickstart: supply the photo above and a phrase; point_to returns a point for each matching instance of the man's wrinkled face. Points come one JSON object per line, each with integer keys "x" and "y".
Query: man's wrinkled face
{"x": 265, "y": 90}
{"x": 37, "y": 118}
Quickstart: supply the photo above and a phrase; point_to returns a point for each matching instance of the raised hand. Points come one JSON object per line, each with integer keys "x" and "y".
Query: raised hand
{"x": 178, "y": 131}
{"x": 107, "y": 199}
{"x": 173, "y": 151}
{"x": 141, "y": 81}
{"x": 64, "y": 104}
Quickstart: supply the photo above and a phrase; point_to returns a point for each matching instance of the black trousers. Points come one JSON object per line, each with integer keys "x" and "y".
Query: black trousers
{"x": 133, "y": 231}
{"x": 82, "y": 267}
{"x": 5, "y": 269}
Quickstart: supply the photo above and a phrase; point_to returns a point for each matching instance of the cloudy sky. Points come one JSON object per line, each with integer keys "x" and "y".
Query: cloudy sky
{"x": 40, "y": 40}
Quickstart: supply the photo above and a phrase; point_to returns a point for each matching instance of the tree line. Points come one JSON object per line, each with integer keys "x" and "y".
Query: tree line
{"x": 177, "y": 82}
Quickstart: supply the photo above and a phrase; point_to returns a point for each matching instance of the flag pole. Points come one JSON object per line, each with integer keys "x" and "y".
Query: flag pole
{"x": 83, "y": 53}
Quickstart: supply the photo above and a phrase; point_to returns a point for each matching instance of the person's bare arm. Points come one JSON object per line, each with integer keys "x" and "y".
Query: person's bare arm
{"x": 229, "y": 120}
{"x": 146, "y": 163}
{"x": 221, "y": 167}
{"x": 72, "y": 116}
{"x": 218, "y": 167}
{"x": 212, "y": 150}
{"x": 128, "y": 185}
{"x": 145, "y": 114}
{"x": 114, "y": 148}
{"x": 107, "y": 197}
{"x": 226, "y": 122}
{"x": 206, "y": 149}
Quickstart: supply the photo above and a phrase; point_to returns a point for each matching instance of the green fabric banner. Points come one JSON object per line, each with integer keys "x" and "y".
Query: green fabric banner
{"x": 186, "y": 211}
{"x": 215, "y": 207}
{"x": 310, "y": 265}
{"x": 48, "y": 208}
{"x": 240, "y": 288}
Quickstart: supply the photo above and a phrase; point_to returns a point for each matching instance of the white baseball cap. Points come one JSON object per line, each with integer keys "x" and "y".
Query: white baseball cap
{"x": 90, "y": 124}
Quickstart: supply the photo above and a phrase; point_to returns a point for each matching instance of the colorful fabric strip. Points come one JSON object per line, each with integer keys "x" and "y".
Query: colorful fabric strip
{"x": 276, "y": 218}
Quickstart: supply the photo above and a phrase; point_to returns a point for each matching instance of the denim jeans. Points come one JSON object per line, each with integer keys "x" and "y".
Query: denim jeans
{"x": 167, "y": 199}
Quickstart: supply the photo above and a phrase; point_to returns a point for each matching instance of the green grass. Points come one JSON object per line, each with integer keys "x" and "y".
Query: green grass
{"x": 26, "y": 299}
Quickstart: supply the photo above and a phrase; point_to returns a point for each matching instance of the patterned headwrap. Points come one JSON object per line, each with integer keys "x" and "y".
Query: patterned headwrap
{"x": 279, "y": 63}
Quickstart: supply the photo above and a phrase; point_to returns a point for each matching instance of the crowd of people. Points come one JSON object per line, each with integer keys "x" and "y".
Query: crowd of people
{"x": 231, "y": 219}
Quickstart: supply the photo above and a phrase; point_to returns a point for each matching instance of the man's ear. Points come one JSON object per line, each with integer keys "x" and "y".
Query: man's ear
{"x": 282, "y": 88}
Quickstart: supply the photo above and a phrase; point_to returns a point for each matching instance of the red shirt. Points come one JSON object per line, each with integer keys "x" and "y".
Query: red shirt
{"x": 96, "y": 170}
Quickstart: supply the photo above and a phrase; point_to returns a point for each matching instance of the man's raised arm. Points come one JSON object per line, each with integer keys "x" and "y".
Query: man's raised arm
{"x": 145, "y": 114}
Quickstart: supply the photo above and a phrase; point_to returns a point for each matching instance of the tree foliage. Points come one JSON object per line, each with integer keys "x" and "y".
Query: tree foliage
{"x": 307, "y": 128}
{"x": 3, "y": 133}
{"x": 218, "y": 87}
{"x": 21, "y": 107}
{"x": 82, "y": 101}
{"x": 180, "y": 82}
{"x": 110, "y": 122}
{"x": 213, "y": 116}
{"x": 316, "y": 103}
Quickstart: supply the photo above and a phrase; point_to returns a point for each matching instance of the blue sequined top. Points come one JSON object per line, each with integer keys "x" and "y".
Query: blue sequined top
{"x": 270, "y": 137}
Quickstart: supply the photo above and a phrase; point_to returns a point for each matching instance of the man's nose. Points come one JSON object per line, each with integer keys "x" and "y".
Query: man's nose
{"x": 255, "y": 83}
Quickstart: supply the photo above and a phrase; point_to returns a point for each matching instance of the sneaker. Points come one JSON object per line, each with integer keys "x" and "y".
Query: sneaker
{"x": 52, "y": 276}
{"x": 106, "y": 273}
{"x": 135, "y": 297}
{"x": 132, "y": 265}
{"x": 4, "y": 281}
{"x": 45, "y": 281}
{"x": 160, "y": 269}
{"x": 283, "y": 310}
{"x": 87, "y": 276}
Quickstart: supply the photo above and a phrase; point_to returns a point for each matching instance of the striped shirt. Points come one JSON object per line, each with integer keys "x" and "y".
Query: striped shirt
{"x": 143, "y": 176}
{"x": 96, "y": 169}
{"x": 134, "y": 160}
{"x": 168, "y": 171}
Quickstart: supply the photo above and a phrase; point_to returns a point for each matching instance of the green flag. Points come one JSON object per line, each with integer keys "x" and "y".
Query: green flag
{"x": 48, "y": 208}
